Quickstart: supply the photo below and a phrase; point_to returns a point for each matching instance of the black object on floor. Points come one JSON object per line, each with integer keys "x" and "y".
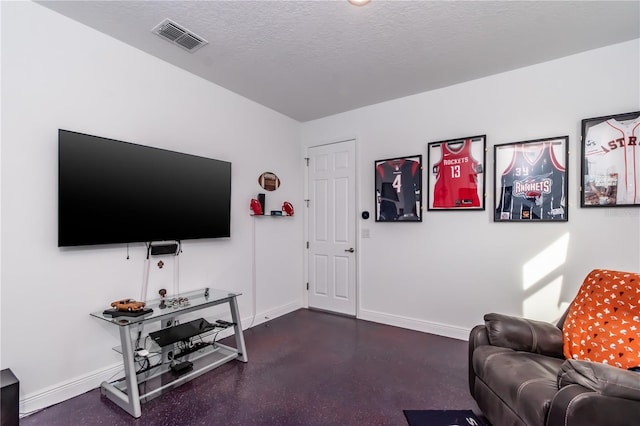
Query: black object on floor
{"x": 9, "y": 398}
{"x": 442, "y": 418}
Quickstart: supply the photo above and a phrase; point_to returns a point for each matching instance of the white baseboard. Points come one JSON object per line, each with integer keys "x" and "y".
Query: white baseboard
{"x": 61, "y": 392}
{"x": 262, "y": 317}
{"x": 454, "y": 332}
{"x": 77, "y": 386}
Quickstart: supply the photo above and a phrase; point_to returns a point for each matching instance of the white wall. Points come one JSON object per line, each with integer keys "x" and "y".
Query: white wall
{"x": 443, "y": 274}
{"x": 57, "y": 73}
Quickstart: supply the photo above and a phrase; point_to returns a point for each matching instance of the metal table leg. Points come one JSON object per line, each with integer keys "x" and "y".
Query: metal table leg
{"x": 130, "y": 401}
{"x": 235, "y": 317}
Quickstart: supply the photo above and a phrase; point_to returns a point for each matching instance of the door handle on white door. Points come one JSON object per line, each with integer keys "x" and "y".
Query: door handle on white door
{"x": 350, "y": 250}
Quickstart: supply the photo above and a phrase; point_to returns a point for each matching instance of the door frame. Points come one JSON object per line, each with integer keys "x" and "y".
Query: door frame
{"x": 356, "y": 224}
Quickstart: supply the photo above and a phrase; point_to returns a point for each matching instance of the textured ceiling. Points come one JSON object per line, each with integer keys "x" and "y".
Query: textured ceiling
{"x": 311, "y": 59}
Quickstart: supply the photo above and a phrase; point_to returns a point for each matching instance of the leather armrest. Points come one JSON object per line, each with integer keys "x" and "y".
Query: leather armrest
{"x": 523, "y": 334}
{"x": 477, "y": 337}
{"x": 601, "y": 378}
{"x": 575, "y": 405}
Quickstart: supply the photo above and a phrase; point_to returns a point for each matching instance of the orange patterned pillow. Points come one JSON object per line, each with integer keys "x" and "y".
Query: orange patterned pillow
{"x": 603, "y": 324}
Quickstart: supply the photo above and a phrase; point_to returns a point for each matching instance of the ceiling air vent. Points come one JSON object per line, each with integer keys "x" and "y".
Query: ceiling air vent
{"x": 178, "y": 35}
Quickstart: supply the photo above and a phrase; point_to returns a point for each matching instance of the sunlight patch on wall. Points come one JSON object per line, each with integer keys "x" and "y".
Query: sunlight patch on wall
{"x": 543, "y": 304}
{"x": 545, "y": 262}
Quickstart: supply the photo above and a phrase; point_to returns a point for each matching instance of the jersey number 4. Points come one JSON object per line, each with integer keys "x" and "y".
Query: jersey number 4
{"x": 397, "y": 183}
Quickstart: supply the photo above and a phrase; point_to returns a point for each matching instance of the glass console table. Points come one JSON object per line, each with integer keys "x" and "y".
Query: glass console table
{"x": 145, "y": 383}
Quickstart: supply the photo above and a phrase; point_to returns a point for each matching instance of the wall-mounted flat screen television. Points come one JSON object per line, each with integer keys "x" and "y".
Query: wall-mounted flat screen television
{"x": 111, "y": 191}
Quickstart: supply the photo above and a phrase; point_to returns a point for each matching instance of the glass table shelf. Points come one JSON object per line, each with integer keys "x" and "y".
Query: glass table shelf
{"x": 142, "y": 383}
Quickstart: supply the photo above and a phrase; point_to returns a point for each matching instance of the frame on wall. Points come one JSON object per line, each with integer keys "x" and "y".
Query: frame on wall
{"x": 610, "y": 161}
{"x": 456, "y": 177}
{"x": 531, "y": 180}
{"x": 398, "y": 186}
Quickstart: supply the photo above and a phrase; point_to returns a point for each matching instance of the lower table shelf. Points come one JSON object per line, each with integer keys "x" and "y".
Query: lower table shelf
{"x": 161, "y": 379}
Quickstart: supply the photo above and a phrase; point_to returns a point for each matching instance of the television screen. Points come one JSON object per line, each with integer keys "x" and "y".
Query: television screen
{"x": 118, "y": 192}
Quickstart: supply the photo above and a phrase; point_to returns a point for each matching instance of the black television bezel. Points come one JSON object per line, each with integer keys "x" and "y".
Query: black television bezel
{"x": 216, "y": 232}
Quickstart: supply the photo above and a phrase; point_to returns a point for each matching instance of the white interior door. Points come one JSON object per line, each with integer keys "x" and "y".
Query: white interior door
{"x": 332, "y": 227}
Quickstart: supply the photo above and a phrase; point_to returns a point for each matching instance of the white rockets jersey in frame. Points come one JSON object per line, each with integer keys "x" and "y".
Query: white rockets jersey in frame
{"x": 531, "y": 180}
{"x": 398, "y": 185}
{"x": 610, "y": 175}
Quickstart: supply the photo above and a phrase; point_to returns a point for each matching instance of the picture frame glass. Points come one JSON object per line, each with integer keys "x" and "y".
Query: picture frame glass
{"x": 531, "y": 181}
{"x": 610, "y": 161}
{"x": 398, "y": 189}
{"x": 455, "y": 174}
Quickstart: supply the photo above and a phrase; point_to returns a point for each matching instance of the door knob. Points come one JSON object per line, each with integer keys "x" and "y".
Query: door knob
{"x": 350, "y": 250}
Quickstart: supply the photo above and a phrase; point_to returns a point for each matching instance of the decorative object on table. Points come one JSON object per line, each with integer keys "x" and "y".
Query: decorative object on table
{"x": 269, "y": 181}
{"x": 130, "y": 305}
{"x": 178, "y": 302}
{"x": 128, "y": 308}
{"x": 456, "y": 177}
{"x": 531, "y": 180}
{"x": 610, "y": 162}
{"x": 398, "y": 189}
{"x": 163, "y": 293}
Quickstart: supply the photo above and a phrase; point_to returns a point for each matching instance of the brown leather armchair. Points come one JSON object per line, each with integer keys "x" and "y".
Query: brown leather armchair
{"x": 518, "y": 375}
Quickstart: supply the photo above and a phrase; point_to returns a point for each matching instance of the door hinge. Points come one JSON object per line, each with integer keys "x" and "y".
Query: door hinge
{"x": 307, "y": 160}
{"x": 307, "y": 244}
{"x": 307, "y": 286}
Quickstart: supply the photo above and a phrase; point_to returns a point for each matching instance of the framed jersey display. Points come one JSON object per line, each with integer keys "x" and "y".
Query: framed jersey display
{"x": 398, "y": 184}
{"x": 610, "y": 174}
{"x": 531, "y": 180}
{"x": 456, "y": 176}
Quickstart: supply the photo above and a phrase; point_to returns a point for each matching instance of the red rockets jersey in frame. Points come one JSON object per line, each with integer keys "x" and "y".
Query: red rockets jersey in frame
{"x": 456, "y": 178}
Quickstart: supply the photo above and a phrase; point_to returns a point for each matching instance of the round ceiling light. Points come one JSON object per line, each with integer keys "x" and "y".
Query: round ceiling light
{"x": 359, "y": 2}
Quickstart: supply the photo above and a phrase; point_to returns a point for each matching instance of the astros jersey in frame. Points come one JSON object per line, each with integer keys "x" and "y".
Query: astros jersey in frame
{"x": 399, "y": 185}
{"x": 456, "y": 177}
{"x": 533, "y": 185}
{"x": 611, "y": 149}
